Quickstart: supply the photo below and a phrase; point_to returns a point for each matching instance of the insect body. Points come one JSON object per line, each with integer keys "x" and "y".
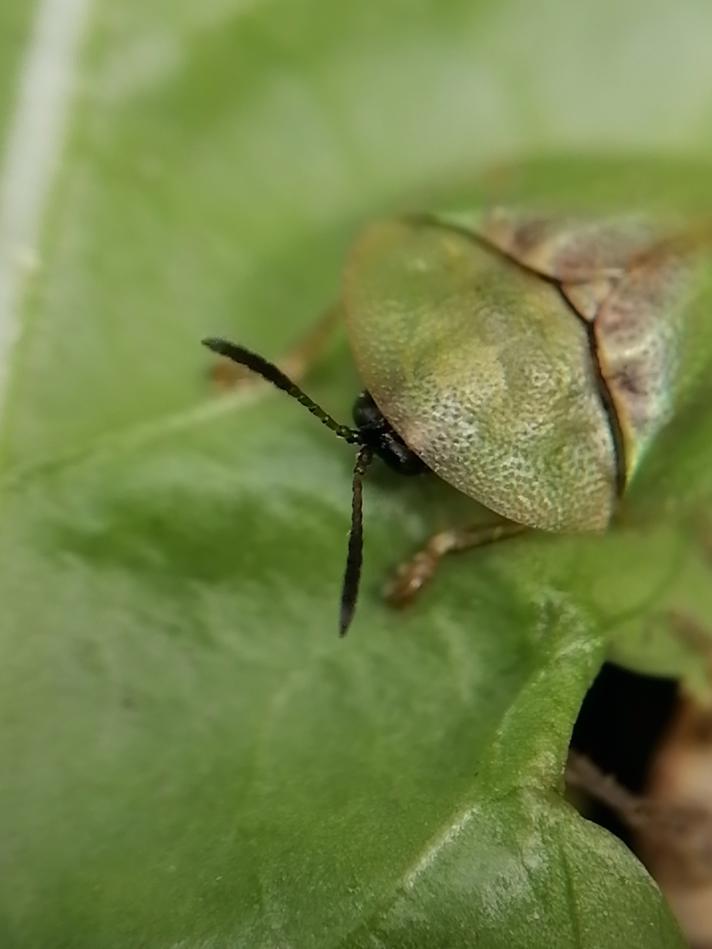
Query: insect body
{"x": 526, "y": 360}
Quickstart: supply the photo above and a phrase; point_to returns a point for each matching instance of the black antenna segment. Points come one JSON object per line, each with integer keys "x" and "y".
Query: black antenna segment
{"x": 354, "y": 555}
{"x": 263, "y": 367}
{"x": 354, "y": 436}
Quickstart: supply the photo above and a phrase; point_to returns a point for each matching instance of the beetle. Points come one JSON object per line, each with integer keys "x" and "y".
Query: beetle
{"x": 527, "y": 359}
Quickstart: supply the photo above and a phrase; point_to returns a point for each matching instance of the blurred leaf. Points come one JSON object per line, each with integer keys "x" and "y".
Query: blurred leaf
{"x": 15, "y": 20}
{"x": 191, "y": 757}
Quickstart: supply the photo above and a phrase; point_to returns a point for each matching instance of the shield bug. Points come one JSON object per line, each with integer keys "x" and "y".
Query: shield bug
{"x": 528, "y": 360}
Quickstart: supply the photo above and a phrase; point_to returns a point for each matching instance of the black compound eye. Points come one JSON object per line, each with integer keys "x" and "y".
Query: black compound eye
{"x": 377, "y": 432}
{"x": 366, "y": 413}
{"x": 398, "y": 456}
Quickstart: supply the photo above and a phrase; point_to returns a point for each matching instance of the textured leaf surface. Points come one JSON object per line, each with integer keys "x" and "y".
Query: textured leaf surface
{"x": 190, "y": 757}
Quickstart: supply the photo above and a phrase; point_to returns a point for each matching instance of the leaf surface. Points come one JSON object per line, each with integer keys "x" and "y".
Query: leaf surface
{"x": 191, "y": 757}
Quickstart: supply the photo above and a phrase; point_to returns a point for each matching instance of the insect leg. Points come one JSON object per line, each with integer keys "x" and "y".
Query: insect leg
{"x": 295, "y": 363}
{"x": 413, "y": 575}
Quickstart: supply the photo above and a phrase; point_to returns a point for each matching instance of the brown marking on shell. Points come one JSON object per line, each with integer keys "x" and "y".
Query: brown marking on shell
{"x": 637, "y": 329}
{"x": 568, "y": 249}
{"x": 628, "y": 276}
{"x": 586, "y": 298}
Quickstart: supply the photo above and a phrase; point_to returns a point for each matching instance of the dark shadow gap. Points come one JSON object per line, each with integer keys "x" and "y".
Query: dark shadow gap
{"x": 619, "y": 727}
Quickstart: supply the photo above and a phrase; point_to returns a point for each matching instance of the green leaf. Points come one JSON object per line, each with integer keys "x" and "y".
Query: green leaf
{"x": 191, "y": 757}
{"x": 15, "y": 21}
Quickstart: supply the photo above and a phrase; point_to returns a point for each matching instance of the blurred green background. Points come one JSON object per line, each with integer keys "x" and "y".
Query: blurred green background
{"x": 190, "y": 758}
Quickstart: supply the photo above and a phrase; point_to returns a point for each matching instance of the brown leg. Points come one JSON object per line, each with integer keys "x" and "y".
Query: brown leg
{"x": 412, "y": 576}
{"x": 295, "y": 363}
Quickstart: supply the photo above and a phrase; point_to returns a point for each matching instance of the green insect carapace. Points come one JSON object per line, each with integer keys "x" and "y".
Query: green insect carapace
{"x": 527, "y": 359}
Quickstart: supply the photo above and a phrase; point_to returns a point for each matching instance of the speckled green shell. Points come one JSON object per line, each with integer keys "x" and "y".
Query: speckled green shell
{"x": 529, "y": 361}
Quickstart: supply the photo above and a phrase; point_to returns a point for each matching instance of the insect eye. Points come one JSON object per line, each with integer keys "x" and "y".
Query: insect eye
{"x": 366, "y": 413}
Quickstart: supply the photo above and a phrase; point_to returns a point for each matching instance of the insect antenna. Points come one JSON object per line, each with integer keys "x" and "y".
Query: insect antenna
{"x": 354, "y": 555}
{"x": 270, "y": 372}
{"x": 263, "y": 367}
